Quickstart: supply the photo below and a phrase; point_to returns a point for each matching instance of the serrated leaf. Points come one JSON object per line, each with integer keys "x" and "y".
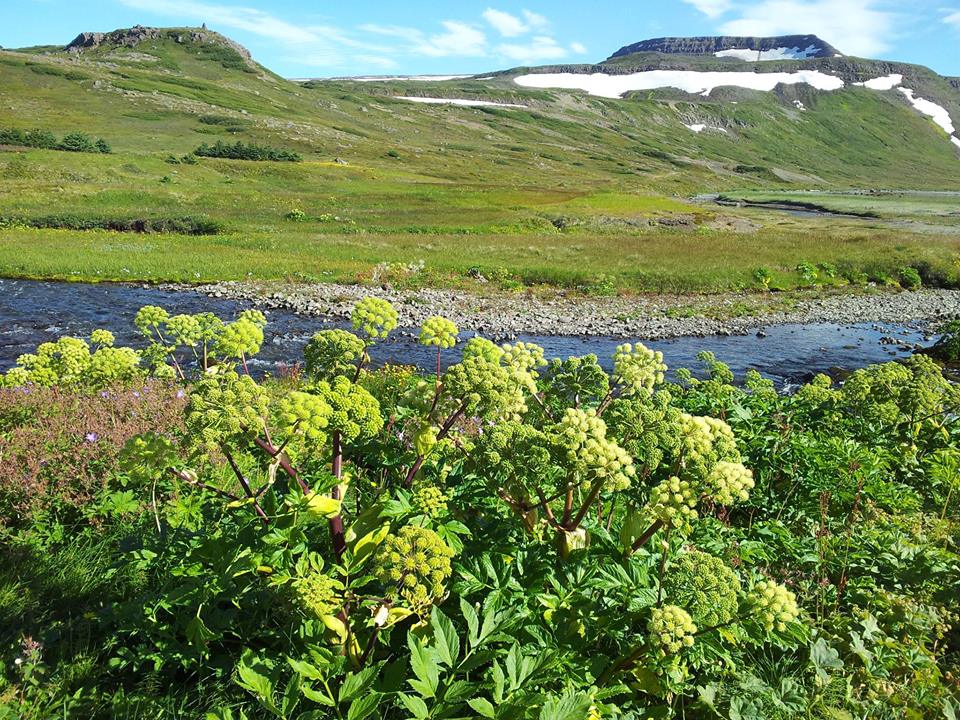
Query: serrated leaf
{"x": 356, "y": 683}
{"x": 473, "y": 622}
{"x": 362, "y": 707}
{"x": 424, "y": 665}
{"x": 445, "y": 634}
{"x": 483, "y": 707}
{"x": 415, "y": 705}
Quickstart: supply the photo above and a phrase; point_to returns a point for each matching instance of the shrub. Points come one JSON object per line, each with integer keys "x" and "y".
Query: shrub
{"x": 807, "y": 272}
{"x": 189, "y": 225}
{"x": 910, "y": 278}
{"x": 246, "y": 151}
{"x": 44, "y": 139}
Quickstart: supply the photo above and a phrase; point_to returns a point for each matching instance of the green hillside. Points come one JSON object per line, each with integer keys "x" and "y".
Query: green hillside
{"x": 572, "y": 190}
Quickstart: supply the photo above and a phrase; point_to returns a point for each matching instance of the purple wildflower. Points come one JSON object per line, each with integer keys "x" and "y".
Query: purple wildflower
{"x": 91, "y": 437}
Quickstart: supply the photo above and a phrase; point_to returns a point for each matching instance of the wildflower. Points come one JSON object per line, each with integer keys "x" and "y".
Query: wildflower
{"x": 91, "y": 437}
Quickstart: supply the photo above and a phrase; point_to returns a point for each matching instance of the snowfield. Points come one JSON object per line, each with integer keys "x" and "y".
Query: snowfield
{"x": 700, "y": 127}
{"x": 781, "y": 53}
{"x": 691, "y": 81}
{"x": 458, "y": 101}
{"x": 939, "y": 114}
{"x": 888, "y": 82}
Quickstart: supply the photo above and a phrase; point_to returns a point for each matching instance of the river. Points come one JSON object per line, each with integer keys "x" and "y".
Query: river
{"x": 32, "y": 312}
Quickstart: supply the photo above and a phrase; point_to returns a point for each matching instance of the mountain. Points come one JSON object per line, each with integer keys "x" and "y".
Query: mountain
{"x": 795, "y": 47}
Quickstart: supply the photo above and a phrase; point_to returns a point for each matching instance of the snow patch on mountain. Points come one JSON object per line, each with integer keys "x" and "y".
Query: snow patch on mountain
{"x": 691, "y": 81}
{"x": 888, "y": 82}
{"x": 463, "y": 102}
{"x": 937, "y": 113}
{"x": 700, "y": 127}
{"x": 781, "y": 53}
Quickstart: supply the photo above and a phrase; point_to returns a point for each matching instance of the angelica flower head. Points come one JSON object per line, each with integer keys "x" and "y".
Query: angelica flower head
{"x": 330, "y": 353}
{"x": 438, "y": 332}
{"x": 729, "y": 483}
{"x": 774, "y": 605}
{"x": 704, "y": 586}
{"x": 318, "y": 594}
{"x": 103, "y": 338}
{"x": 414, "y": 564}
{"x": 226, "y": 405}
{"x": 429, "y": 499}
{"x": 673, "y": 502}
{"x": 639, "y": 368}
{"x": 374, "y": 317}
{"x": 670, "y": 630}
{"x": 241, "y": 338}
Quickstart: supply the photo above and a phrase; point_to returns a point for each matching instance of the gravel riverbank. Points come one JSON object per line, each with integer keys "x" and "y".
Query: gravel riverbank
{"x": 655, "y": 317}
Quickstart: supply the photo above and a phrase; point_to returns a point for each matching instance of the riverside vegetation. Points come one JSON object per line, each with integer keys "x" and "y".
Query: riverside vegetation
{"x": 509, "y": 538}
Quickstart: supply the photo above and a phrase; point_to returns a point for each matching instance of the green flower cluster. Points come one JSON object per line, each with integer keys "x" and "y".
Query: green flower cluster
{"x": 224, "y": 406}
{"x": 415, "y": 563}
{"x": 573, "y": 379}
{"x": 481, "y": 347}
{"x": 150, "y": 318}
{"x": 705, "y": 442}
{"x": 305, "y": 415}
{"x": 485, "y": 387}
{"x": 515, "y": 457}
{"x": 704, "y": 586}
{"x": 242, "y": 338}
{"x": 671, "y": 629}
{"x": 438, "y": 332}
{"x": 522, "y": 360}
{"x": 375, "y": 317}
{"x": 109, "y": 364}
{"x": 818, "y": 391}
{"x": 673, "y": 502}
{"x": 69, "y": 362}
{"x": 639, "y": 368}
{"x": 729, "y": 483}
{"x": 184, "y": 329}
{"x": 429, "y": 500}
{"x": 646, "y": 427}
{"x": 318, "y": 594}
{"x": 354, "y": 412}
{"x": 103, "y": 338}
{"x": 330, "y": 353}
{"x": 774, "y": 605}
{"x": 584, "y": 438}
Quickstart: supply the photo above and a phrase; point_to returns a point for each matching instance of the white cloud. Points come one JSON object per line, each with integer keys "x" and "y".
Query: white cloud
{"x": 504, "y": 23}
{"x": 460, "y": 39}
{"x": 540, "y": 48}
{"x": 578, "y": 48}
{"x": 512, "y": 26}
{"x": 857, "y": 27}
{"x": 953, "y": 19}
{"x": 232, "y": 16}
{"x": 535, "y": 21}
{"x": 711, "y": 8}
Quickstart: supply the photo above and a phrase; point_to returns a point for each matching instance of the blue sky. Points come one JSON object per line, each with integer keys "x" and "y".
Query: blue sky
{"x": 326, "y": 38}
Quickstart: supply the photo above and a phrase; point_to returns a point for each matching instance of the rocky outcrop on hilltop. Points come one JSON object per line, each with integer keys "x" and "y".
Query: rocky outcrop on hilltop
{"x": 712, "y": 45}
{"x": 132, "y": 37}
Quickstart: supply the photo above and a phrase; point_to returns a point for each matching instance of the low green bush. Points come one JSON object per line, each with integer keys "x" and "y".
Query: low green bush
{"x": 44, "y": 139}
{"x": 188, "y": 225}
{"x": 246, "y": 151}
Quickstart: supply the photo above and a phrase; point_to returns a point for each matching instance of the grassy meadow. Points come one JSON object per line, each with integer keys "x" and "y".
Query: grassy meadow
{"x": 574, "y": 192}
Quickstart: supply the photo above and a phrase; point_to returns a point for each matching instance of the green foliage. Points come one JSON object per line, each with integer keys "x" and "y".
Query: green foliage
{"x": 44, "y": 139}
{"x": 511, "y": 538}
{"x": 246, "y": 151}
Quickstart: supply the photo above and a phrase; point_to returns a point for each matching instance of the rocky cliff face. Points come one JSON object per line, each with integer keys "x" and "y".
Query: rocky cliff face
{"x": 712, "y": 45}
{"x": 131, "y": 37}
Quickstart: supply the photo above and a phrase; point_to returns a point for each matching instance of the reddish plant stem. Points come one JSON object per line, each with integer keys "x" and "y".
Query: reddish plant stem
{"x": 645, "y": 538}
{"x": 245, "y": 485}
{"x": 444, "y": 431}
{"x": 284, "y": 463}
{"x": 203, "y": 486}
{"x": 585, "y": 508}
{"x": 337, "y": 535}
{"x": 663, "y": 569}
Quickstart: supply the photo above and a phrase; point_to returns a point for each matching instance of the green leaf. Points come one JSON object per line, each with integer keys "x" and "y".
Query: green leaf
{"x": 197, "y": 631}
{"x": 482, "y": 707}
{"x": 425, "y": 666}
{"x": 362, "y": 707}
{"x": 254, "y": 677}
{"x": 473, "y": 622}
{"x": 366, "y": 545}
{"x": 356, "y": 683}
{"x": 498, "y": 682}
{"x": 448, "y": 644}
{"x": 415, "y": 705}
{"x": 291, "y": 696}
{"x": 569, "y": 706}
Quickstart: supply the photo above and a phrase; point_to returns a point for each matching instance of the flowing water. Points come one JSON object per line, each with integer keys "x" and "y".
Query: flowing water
{"x": 32, "y": 312}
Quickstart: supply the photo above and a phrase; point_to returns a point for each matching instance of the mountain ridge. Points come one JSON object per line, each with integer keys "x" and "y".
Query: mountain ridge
{"x": 810, "y": 45}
